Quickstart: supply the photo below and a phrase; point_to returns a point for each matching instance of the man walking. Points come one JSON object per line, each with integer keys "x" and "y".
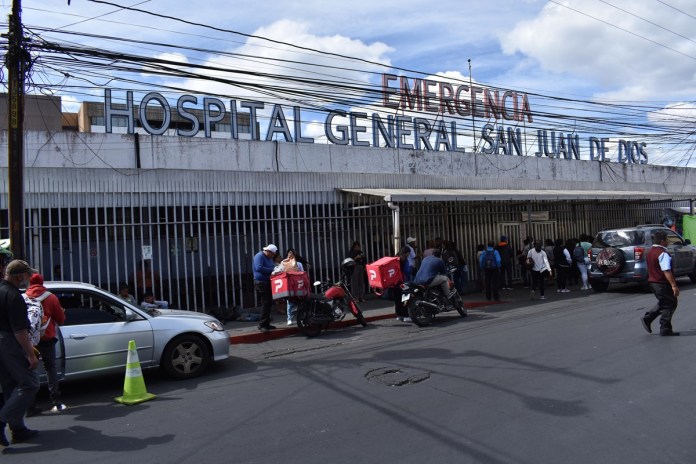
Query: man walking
{"x": 663, "y": 286}
{"x": 490, "y": 264}
{"x": 17, "y": 358}
{"x": 263, "y": 266}
{"x": 54, "y": 315}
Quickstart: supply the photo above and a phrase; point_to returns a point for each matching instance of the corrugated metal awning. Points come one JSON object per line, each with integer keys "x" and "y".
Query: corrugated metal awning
{"x": 426, "y": 195}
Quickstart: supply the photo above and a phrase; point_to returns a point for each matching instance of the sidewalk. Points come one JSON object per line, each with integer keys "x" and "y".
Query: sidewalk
{"x": 375, "y": 308}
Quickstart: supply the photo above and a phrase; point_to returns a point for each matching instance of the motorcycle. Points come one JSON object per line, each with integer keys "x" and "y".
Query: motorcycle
{"x": 316, "y": 312}
{"x": 423, "y": 302}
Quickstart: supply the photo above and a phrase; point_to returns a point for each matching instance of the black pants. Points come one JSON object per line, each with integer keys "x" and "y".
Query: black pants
{"x": 665, "y": 307}
{"x": 491, "y": 278}
{"x": 263, "y": 293}
{"x": 538, "y": 281}
{"x": 562, "y": 276}
{"x": 506, "y": 276}
{"x": 47, "y": 348}
{"x": 399, "y": 308}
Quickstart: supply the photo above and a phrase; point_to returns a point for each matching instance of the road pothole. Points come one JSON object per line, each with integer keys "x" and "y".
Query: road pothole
{"x": 396, "y": 377}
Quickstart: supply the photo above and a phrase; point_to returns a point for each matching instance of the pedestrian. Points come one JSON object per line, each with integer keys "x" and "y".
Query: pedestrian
{"x": 522, "y": 262}
{"x": 480, "y": 248}
{"x": 580, "y": 258}
{"x": 539, "y": 268}
{"x": 548, "y": 248}
{"x": 53, "y": 316}
{"x": 262, "y": 266}
{"x": 490, "y": 264}
{"x": 18, "y": 360}
{"x": 429, "y": 248}
{"x": 400, "y": 309}
{"x": 291, "y": 263}
{"x": 123, "y": 293}
{"x": 663, "y": 286}
{"x": 563, "y": 261}
{"x": 412, "y": 255}
{"x": 506, "y": 262}
{"x": 357, "y": 278}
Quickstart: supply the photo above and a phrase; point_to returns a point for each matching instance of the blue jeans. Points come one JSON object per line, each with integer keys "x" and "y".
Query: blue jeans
{"x": 291, "y": 309}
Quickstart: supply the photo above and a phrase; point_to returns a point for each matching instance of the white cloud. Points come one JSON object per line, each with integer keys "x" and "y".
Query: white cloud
{"x": 625, "y": 66}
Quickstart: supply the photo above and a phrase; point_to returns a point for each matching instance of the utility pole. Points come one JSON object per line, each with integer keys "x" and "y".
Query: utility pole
{"x": 16, "y": 68}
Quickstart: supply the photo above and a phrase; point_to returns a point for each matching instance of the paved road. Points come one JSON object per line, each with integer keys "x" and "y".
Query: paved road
{"x": 569, "y": 380}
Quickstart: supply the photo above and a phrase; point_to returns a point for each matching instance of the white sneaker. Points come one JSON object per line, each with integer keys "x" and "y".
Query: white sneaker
{"x": 558, "y": 290}
{"x": 542, "y": 297}
{"x": 565, "y": 290}
{"x": 407, "y": 319}
{"x": 532, "y": 295}
{"x": 399, "y": 318}
{"x": 584, "y": 288}
{"x": 291, "y": 323}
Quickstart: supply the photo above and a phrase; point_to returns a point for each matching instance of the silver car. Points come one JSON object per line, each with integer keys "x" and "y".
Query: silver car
{"x": 98, "y": 326}
{"x": 619, "y": 255}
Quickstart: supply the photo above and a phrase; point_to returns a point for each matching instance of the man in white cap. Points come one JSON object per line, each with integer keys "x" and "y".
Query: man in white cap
{"x": 18, "y": 360}
{"x": 263, "y": 266}
{"x": 411, "y": 245}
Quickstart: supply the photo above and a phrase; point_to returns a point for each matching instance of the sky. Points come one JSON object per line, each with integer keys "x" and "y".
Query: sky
{"x": 637, "y": 56}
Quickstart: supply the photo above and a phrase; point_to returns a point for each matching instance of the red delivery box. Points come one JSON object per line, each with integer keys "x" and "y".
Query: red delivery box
{"x": 384, "y": 273}
{"x": 290, "y": 283}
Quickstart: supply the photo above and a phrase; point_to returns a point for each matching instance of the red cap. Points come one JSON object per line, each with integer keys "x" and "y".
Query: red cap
{"x": 36, "y": 279}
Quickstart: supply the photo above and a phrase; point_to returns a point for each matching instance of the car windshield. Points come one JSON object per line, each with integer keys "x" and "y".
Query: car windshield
{"x": 619, "y": 238}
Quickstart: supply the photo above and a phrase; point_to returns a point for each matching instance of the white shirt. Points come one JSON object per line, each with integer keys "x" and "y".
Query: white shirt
{"x": 541, "y": 261}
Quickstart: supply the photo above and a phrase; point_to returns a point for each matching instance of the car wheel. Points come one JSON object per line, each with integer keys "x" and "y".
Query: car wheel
{"x": 610, "y": 261}
{"x": 186, "y": 356}
{"x": 599, "y": 286}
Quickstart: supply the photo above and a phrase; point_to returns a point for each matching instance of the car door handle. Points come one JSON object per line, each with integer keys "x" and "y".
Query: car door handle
{"x": 78, "y": 336}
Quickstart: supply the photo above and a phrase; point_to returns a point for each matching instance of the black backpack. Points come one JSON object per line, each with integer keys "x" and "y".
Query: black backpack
{"x": 489, "y": 260}
{"x": 579, "y": 254}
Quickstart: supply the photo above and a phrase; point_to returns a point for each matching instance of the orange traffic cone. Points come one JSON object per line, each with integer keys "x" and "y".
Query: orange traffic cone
{"x": 134, "y": 391}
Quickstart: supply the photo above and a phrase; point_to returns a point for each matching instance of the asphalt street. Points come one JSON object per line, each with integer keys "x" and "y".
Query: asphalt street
{"x": 573, "y": 380}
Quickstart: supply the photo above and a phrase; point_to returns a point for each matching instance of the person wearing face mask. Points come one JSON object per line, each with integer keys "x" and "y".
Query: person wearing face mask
{"x": 540, "y": 269}
{"x": 18, "y": 360}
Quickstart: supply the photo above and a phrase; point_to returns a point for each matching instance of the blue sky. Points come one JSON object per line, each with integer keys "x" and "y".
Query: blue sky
{"x": 640, "y": 51}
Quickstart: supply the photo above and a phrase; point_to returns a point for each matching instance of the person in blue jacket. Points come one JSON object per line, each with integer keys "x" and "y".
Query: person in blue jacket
{"x": 432, "y": 272}
{"x": 490, "y": 265}
{"x": 263, "y": 266}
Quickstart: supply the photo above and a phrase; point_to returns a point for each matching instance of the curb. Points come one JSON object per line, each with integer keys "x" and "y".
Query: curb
{"x": 281, "y": 332}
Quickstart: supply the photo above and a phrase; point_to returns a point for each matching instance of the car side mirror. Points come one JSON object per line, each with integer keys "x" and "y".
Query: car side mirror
{"x": 129, "y": 315}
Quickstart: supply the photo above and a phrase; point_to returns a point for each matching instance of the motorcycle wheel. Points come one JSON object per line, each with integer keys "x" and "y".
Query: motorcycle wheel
{"x": 459, "y": 305}
{"x": 420, "y": 315}
{"x": 304, "y": 317}
{"x": 357, "y": 313}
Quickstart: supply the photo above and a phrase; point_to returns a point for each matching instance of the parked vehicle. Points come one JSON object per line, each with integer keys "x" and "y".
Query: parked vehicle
{"x": 423, "y": 302}
{"x": 98, "y": 326}
{"x": 316, "y": 312}
{"x": 619, "y": 255}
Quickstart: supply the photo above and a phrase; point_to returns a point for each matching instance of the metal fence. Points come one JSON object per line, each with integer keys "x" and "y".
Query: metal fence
{"x": 194, "y": 247}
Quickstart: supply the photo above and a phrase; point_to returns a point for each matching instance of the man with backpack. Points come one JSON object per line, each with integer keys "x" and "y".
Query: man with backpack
{"x": 490, "y": 265}
{"x": 18, "y": 361}
{"x": 53, "y": 316}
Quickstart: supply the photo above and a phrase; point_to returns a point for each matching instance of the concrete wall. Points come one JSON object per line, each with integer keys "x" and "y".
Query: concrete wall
{"x": 346, "y": 165}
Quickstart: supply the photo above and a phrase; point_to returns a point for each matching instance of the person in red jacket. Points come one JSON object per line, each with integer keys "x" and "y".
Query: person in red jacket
{"x": 54, "y": 314}
{"x": 663, "y": 286}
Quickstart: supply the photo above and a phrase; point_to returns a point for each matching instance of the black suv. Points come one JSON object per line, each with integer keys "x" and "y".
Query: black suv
{"x": 618, "y": 255}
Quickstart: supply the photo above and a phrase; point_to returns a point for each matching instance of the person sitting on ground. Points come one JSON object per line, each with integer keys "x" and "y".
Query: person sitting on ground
{"x": 124, "y": 294}
{"x": 150, "y": 303}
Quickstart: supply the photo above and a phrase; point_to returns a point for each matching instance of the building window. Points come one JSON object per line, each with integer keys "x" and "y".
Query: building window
{"x": 96, "y": 120}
